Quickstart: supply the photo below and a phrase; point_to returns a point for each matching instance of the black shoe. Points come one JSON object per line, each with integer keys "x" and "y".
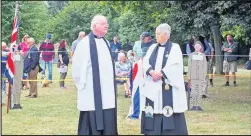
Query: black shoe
{"x": 204, "y": 96}
{"x": 227, "y": 84}
{"x": 126, "y": 96}
{"x": 33, "y": 96}
{"x": 211, "y": 84}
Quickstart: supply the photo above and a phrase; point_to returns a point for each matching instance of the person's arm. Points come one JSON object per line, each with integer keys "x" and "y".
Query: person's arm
{"x": 60, "y": 54}
{"x": 188, "y": 50}
{"x": 234, "y": 48}
{"x": 80, "y": 63}
{"x": 212, "y": 51}
{"x": 53, "y": 49}
{"x": 35, "y": 58}
{"x": 223, "y": 48}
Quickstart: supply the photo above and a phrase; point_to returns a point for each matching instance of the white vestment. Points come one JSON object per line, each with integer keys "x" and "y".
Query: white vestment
{"x": 83, "y": 78}
{"x": 173, "y": 70}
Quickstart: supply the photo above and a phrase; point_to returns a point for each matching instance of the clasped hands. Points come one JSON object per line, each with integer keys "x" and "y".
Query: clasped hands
{"x": 228, "y": 50}
{"x": 155, "y": 75}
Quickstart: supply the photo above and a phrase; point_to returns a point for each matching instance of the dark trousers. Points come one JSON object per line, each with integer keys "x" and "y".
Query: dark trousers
{"x": 62, "y": 77}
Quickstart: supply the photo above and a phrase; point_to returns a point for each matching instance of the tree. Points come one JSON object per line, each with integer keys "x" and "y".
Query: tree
{"x": 32, "y": 16}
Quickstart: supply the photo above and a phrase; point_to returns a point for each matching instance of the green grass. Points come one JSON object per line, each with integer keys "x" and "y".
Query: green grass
{"x": 54, "y": 111}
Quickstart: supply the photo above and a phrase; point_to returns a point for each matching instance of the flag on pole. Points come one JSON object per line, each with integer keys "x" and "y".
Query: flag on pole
{"x": 14, "y": 34}
{"x": 136, "y": 85}
{"x": 10, "y": 68}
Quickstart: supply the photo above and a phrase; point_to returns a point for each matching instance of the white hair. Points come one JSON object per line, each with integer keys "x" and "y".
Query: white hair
{"x": 81, "y": 33}
{"x": 129, "y": 53}
{"x": 4, "y": 44}
{"x": 96, "y": 19}
{"x": 31, "y": 39}
{"x": 164, "y": 28}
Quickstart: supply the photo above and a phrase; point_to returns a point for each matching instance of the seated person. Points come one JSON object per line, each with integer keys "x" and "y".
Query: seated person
{"x": 123, "y": 70}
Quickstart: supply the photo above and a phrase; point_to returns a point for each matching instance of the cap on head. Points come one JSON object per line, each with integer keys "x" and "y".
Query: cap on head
{"x": 48, "y": 36}
{"x": 145, "y": 34}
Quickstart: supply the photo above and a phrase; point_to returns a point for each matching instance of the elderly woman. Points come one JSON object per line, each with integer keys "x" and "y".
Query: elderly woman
{"x": 123, "y": 70}
{"x": 63, "y": 62}
{"x": 25, "y": 48}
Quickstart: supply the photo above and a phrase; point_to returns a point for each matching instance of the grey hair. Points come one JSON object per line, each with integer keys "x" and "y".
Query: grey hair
{"x": 164, "y": 28}
{"x": 31, "y": 39}
{"x": 81, "y": 33}
{"x": 95, "y": 20}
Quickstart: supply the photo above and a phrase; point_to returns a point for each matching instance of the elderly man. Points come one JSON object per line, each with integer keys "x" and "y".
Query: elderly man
{"x": 163, "y": 98}
{"x": 230, "y": 49}
{"x": 123, "y": 70}
{"x": 31, "y": 66}
{"x": 48, "y": 54}
{"x": 94, "y": 75}
{"x": 115, "y": 48}
{"x": 81, "y": 35}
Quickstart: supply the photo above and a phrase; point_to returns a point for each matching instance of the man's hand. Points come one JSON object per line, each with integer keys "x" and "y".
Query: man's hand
{"x": 155, "y": 75}
{"x": 226, "y": 49}
{"x": 189, "y": 83}
{"x": 32, "y": 73}
{"x": 230, "y": 50}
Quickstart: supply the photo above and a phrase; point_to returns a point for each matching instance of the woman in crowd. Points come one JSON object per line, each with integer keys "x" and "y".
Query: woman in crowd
{"x": 63, "y": 62}
{"x": 24, "y": 49}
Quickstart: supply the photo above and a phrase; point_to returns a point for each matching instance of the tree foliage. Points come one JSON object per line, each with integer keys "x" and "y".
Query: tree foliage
{"x": 32, "y": 18}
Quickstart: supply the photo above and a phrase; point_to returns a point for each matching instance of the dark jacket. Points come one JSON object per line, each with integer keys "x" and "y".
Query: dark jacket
{"x": 31, "y": 59}
{"x": 228, "y": 55}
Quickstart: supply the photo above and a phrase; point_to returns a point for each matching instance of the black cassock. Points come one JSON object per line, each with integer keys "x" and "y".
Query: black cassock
{"x": 100, "y": 121}
{"x": 160, "y": 124}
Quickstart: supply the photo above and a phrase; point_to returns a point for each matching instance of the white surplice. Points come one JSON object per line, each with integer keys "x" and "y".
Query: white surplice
{"x": 83, "y": 78}
{"x": 173, "y": 70}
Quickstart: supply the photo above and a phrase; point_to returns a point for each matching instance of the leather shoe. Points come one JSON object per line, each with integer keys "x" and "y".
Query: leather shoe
{"x": 33, "y": 96}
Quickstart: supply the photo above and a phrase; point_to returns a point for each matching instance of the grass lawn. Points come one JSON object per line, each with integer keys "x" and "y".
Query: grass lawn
{"x": 54, "y": 111}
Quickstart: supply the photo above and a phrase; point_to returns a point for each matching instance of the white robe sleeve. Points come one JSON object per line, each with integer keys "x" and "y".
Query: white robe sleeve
{"x": 80, "y": 62}
{"x": 173, "y": 70}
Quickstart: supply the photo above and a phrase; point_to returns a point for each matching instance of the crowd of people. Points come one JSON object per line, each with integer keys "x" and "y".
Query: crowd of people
{"x": 103, "y": 64}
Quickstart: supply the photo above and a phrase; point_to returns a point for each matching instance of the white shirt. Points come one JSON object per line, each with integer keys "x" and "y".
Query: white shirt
{"x": 174, "y": 72}
{"x": 83, "y": 78}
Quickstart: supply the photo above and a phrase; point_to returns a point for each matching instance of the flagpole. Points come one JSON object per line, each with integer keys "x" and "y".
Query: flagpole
{"x": 14, "y": 37}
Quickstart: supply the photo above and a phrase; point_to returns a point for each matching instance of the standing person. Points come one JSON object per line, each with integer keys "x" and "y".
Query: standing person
{"x": 48, "y": 54}
{"x": 210, "y": 70}
{"x": 31, "y": 66}
{"x": 137, "y": 48}
{"x": 197, "y": 79}
{"x": 163, "y": 101}
{"x": 146, "y": 42}
{"x": 230, "y": 49}
{"x": 81, "y": 35}
{"x": 94, "y": 75}
{"x": 63, "y": 61}
{"x": 115, "y": 48}
{"x": 190, "y": 45}
{"x": 17, "y": 83}
{"x": 25, "y": 48}
{"x": 5, "y": 53}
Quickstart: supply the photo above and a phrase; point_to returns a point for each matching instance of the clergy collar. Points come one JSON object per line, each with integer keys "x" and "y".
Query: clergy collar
{"x": 162, "y": 44}
{"x": 95, "y": 36}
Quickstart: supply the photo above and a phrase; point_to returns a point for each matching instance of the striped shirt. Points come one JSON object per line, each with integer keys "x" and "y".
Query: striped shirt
{"x": 47, "y": 51}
